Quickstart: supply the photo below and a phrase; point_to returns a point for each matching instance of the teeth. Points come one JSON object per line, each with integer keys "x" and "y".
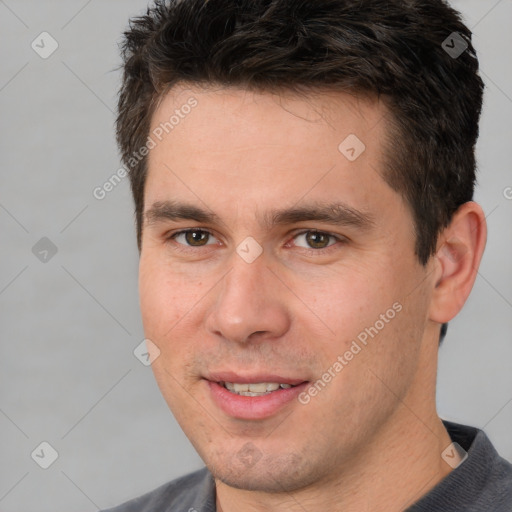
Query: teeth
{"x": 230, "y": 386}
{"x": 254, "y": 389}
{"x": 240, "y": 387}
{"x": 262, "y": 387}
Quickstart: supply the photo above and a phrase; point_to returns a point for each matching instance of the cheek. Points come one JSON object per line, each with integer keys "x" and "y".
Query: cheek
{"x": 165, "y": 296}
{"x": 154, "y": 297}
{"x": 375, "y": 322}
{"x": 348, "y": 300}
{"x": 170, "y": 304}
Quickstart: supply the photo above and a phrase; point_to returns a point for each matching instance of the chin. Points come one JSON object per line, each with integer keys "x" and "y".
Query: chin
{"x": 273, "y": 473}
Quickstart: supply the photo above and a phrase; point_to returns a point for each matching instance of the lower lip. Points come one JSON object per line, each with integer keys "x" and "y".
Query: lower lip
{"x": 253, "y": 407}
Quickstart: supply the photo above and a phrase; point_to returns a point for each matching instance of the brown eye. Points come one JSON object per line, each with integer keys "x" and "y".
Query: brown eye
{"x": 196, "y": 238}
{"x": 192, "y": 237}
{"x": 317, "y": 240}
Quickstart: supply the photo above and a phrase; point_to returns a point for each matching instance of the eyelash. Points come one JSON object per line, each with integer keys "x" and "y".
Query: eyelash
{"x": 188, "y": 248}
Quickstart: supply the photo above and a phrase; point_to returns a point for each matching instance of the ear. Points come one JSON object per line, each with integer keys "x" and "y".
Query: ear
{"x": 459, "y": 251}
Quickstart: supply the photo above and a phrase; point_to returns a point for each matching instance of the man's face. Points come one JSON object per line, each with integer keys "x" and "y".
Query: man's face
{"x": 253, "y": 294}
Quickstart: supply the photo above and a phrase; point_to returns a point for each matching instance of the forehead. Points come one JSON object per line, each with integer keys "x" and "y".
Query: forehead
{"x": 239, "y": 149}
{"x": 313, "y": 111}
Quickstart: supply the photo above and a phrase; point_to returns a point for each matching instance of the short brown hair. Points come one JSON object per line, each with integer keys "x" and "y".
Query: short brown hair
{"x": 399, "y": 50}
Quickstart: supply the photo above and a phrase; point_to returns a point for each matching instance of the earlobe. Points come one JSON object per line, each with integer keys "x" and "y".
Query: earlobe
{"x": 459, "y": 252}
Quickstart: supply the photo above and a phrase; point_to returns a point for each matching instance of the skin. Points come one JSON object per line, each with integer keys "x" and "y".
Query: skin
{"x": 371, "y": 439}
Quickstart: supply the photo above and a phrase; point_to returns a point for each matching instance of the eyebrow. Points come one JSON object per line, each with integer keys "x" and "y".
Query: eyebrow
{"x": 330, "y": 213}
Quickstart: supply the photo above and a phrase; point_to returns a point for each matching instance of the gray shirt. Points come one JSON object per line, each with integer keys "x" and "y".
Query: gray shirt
{"x": 482, "y": 483}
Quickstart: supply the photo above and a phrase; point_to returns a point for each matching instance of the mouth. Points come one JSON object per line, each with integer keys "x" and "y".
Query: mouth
{"x": 255, "y": 389}
{"x": 253, "y": 397}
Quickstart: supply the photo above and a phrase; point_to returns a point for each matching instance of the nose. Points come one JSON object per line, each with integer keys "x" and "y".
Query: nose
{"x": 250, "y": 303}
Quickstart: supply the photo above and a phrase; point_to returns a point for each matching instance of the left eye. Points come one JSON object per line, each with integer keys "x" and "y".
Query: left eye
{"x": 315, "y": 239}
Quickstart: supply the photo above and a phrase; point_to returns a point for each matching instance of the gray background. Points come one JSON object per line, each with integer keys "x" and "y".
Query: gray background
{"x": 69, "y": 325}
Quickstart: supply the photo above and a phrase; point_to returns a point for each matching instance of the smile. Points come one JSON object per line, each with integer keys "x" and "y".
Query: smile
{"x": 254, "y": 389}
{"x": 255, "y": 400}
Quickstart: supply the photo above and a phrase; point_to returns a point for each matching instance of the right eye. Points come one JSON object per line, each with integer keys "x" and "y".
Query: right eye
{"x": 192, "y": 237}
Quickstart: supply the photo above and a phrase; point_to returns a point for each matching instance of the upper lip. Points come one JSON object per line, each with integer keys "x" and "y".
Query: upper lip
{"x": 229, "y": 376}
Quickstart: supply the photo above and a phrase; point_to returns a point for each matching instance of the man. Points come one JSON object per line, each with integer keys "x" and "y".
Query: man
{"x": 303, "y": 175}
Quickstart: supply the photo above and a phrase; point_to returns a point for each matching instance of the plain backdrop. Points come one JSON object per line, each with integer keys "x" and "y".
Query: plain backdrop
{"x": 70, "y": 319}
